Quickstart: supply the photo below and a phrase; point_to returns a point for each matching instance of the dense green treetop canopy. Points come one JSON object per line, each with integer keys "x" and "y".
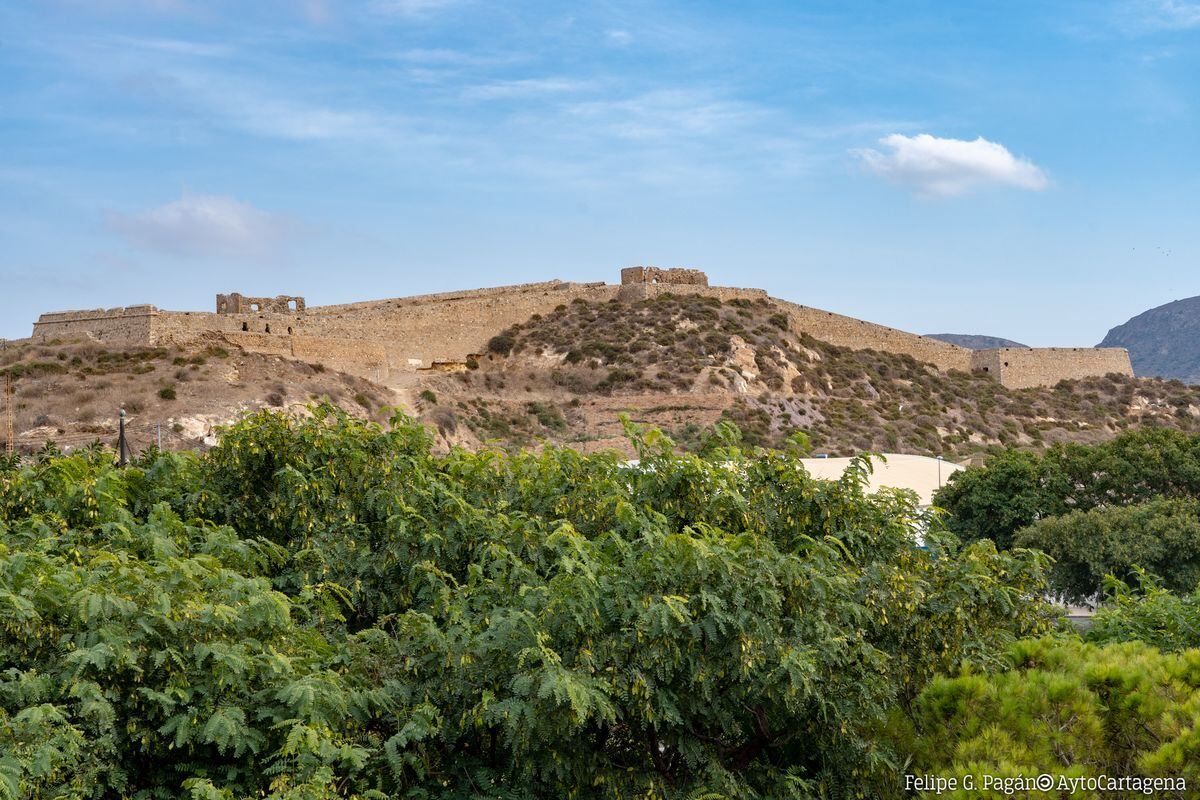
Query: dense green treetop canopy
{"x": 1016, "y": 488}
{"x": 319, "y": 608}
{"x": 1063, "y": 708}
{"x": 1161, "y": 535}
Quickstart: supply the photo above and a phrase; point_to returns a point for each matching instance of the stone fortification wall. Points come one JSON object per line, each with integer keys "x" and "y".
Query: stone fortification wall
{"x": 445, "y": 327}
{"x": 1023, "y": 367}
{"x": 633, "y": 292}
{"x": 382, "y": 340}
{"x": 128, "y": 325}
{"x": 862, "y": 335}
{"x": 387, "y": 340}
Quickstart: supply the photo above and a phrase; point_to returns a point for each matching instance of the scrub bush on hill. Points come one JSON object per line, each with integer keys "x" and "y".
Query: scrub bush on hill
{"x": 319, "y": 608}
{"x": 1065, "y": 708}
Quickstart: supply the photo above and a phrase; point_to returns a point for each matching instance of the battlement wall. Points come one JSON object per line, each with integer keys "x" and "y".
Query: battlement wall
{"x": 386, "y": 340}
{"x": 126, "y": 325}
{"x": 859, "y": 334}
{"x": 462, "y": 294}
{"x": 446, "y": 327}
{"x": 1025, "y": 367}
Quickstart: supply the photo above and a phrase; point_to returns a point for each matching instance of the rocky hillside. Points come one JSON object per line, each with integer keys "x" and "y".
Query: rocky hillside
{"x": 1163, "y": 342}
{"x": 973, "y": 341}
{"x": 684, "y": 362}
{"x": 70, "y": 392}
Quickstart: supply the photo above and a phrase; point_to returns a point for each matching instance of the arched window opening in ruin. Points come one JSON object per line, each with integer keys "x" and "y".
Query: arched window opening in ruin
{"x": 255, "y": 307}
{"x": 289, "y": 330}
{"x": 268, "y": 327}
{"x": 245, "y": 326}
{"x": 1006, "y": 363}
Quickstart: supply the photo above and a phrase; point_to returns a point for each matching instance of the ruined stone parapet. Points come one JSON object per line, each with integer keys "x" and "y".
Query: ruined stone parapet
{"x": 657, "y": 275}
{"x": 235, "y": 303}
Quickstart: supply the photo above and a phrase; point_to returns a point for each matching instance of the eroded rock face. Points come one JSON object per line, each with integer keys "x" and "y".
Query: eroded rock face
{"x": 741, "y": 359}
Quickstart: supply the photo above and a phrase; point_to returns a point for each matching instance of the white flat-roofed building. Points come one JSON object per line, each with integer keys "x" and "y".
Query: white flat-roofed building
{"x": 922, "y": 474}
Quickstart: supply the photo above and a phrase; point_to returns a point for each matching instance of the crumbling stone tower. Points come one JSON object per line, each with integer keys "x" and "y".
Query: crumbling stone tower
{"x": 657, "y": 275}
{"x": 235, "y": 303}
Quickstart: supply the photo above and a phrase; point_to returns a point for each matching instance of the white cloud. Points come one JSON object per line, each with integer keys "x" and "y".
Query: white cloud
{"x": 617, "y": 37}
{"x": 945, "y": 167}
{"x": 198, "y": 224}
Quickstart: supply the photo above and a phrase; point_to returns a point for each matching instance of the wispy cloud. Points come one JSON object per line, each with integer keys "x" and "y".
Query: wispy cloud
{"x": 442, "y": 56}
{"x": 315, "y": 11}
{"x": 667, "y": 113}
{"x": 1163, "y": 14}
{"x": 618, "y": 37}
{"x": 523, "y": 88}
{"x": 933, "y": 166}
{"x": 413, "y": 8}
{"x": 271, "y": 111}
{"x": 198, "y": 225}
{"x": 177, "y": 46}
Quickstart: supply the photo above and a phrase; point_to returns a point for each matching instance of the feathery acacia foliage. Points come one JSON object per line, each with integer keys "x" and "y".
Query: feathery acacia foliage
{"x": 319, "y": 608}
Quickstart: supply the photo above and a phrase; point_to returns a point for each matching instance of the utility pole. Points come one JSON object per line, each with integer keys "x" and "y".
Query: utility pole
{"x": 122, "y": 445}
{"x": 8, "y": 414}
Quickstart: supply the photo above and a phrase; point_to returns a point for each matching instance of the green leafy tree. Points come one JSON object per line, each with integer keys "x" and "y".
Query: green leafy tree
{"x": 1162, "y": 535}
{"x": 1142, "y": 610}
{"x": 1014, "y": 488}
{"x": 994, "y": 501}
{"x": 318, "y": 607}
{"x": 146, "y": 655}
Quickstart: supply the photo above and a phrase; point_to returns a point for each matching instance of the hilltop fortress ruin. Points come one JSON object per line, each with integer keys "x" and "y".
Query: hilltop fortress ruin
{"x": 392, "y": 341}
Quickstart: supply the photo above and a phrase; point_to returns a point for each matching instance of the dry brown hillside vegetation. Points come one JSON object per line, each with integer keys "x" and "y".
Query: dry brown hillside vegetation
{"x": 684, "y": 362}
{"x": 70, "y": 392}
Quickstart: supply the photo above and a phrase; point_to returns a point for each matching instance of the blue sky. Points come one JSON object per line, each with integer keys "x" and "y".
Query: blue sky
{"x": 1022, "y": 169}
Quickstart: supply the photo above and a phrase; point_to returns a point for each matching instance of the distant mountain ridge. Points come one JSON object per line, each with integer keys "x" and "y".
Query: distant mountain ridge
{"x": 1163, "y": 342}
{"x": 973, "y": 341}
